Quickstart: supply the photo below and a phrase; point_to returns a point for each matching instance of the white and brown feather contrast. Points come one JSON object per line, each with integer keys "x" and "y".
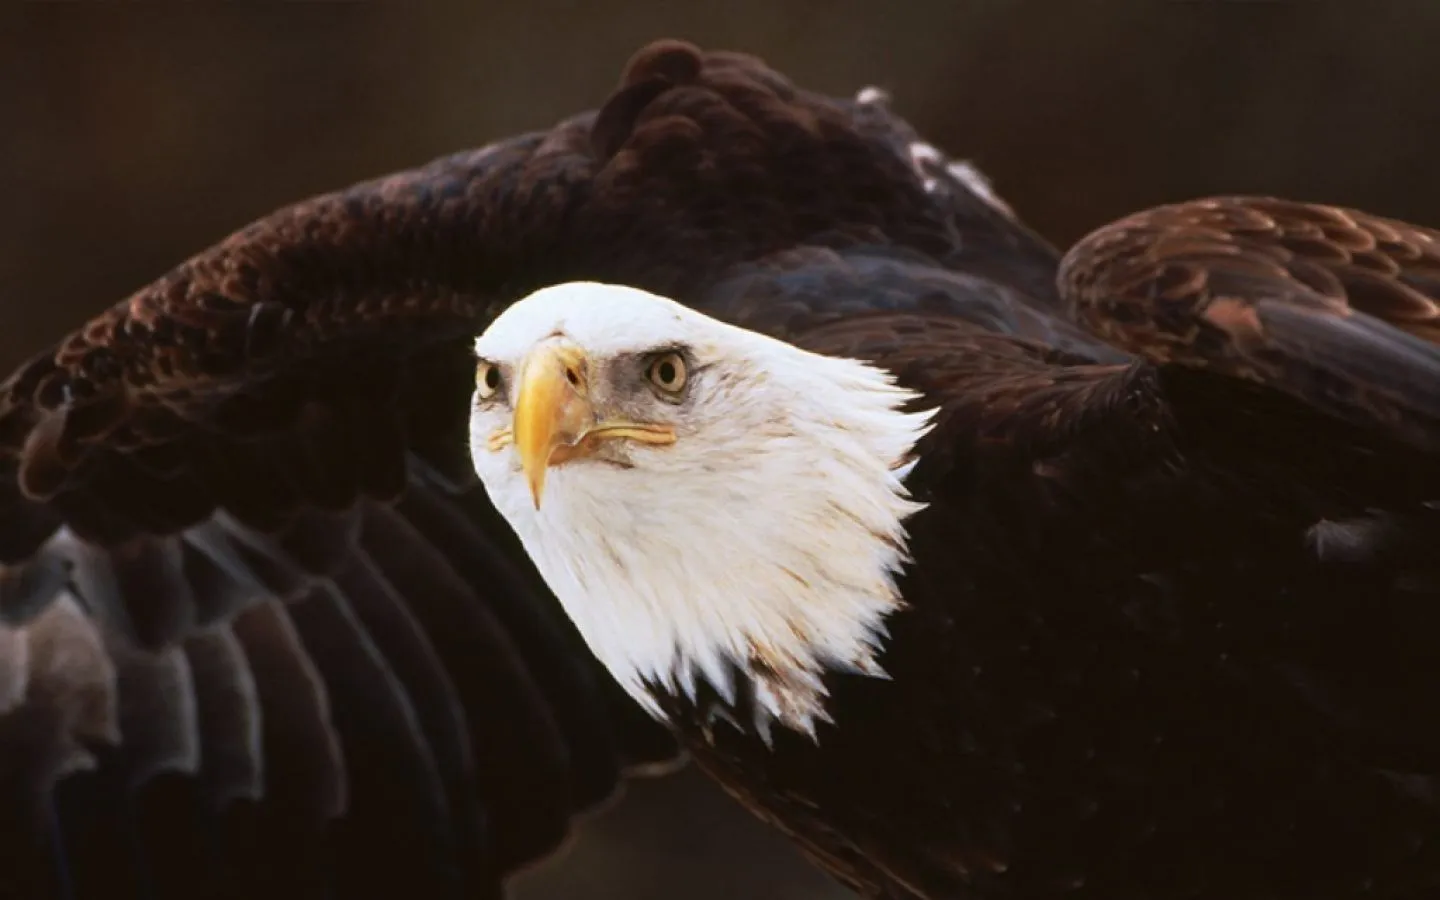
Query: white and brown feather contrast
{"x": 1167, "y": 630}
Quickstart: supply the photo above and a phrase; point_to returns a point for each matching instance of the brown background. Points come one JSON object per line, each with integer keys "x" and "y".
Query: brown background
{"x": 135, "y": 133}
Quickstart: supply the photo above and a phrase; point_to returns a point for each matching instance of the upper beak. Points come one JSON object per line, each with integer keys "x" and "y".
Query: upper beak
{"x": 552, "y": 410}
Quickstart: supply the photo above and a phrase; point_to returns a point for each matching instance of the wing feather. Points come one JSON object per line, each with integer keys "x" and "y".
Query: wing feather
{"x": 1335, "y": 307}
{"x": 305, "y": 766}
{"x": 395, "y": 797}
{"x": 229, "y": 718}
{"x": 524, "y": 776}
{"x": 158, "y": 722}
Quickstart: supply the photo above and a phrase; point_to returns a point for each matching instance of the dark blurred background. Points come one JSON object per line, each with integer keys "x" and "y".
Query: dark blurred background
{"x": 133, "y": 134}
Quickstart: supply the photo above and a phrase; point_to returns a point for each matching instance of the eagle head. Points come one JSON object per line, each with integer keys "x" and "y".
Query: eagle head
{"x": 709, "y": 504}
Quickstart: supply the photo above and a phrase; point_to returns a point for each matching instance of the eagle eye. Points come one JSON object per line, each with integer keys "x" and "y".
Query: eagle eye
{"x": 667, "y": 372}
{"x": 487, "y": 379}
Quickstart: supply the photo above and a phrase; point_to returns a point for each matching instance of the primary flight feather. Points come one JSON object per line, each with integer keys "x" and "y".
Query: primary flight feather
{"x": 362, "y": 550}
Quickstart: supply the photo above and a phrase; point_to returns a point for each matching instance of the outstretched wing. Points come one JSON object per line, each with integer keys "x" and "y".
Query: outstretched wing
{"x": 1335, "y": 307}
{"x": 260, "y": 634}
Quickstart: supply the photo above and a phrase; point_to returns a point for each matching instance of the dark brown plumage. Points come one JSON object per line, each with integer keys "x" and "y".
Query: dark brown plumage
{"x": 1334, "y": 306}
{"x": 1171, "y": 615}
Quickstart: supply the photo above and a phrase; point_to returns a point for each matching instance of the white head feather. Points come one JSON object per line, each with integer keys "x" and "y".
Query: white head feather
{"x": 767, "y": 535}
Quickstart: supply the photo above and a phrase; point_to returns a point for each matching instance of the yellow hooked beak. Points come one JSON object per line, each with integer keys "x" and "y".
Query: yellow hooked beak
{"x": 556, "y": 422}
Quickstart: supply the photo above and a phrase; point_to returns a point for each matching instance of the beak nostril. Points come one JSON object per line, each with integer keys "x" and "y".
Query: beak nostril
{"x": 572, "y": 376}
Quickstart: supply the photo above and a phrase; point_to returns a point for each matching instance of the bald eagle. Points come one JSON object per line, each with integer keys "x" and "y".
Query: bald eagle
{"x": 360, "y": 552}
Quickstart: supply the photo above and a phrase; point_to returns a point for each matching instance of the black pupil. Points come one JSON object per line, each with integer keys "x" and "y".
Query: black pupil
{"x": 665, "y": 372}
{"x": 492, "y": 378}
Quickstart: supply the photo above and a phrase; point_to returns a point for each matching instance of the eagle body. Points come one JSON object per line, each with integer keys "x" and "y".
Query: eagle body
{"x": 1116, "y": 699}
{"x": 1120, "y": 670}
{"x": 1165, "y": 629}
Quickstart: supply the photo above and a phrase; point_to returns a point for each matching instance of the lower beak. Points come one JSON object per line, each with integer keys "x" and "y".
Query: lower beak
{"x": 555, "y": 421}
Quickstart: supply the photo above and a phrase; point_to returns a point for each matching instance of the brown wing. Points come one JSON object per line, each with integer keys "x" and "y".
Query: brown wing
{"x": 255, "y": 641}
{"x": 1335, "y": 307}
{"x": 260, "y": 635}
